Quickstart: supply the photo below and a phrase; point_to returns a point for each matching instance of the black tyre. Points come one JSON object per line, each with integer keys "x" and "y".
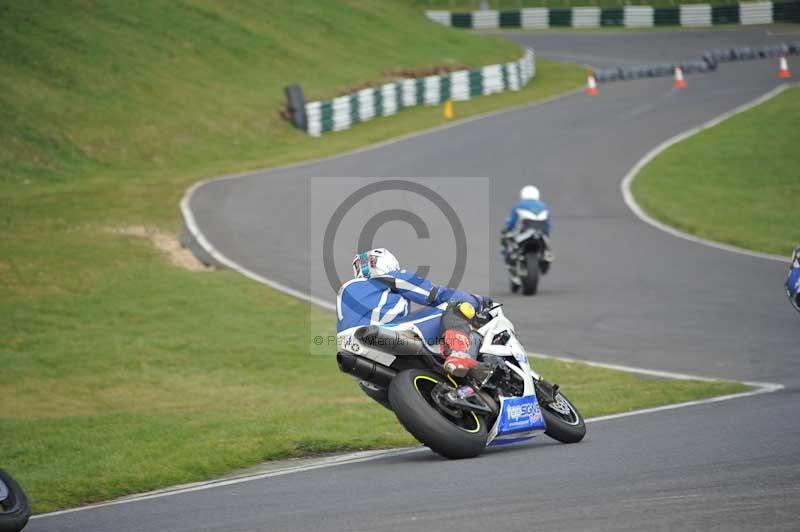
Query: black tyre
{"x": 530, "y": 281}
{"x": 564, "y": 422}
{"x": 411, "y": 400}
{"x": 14, "y": 509}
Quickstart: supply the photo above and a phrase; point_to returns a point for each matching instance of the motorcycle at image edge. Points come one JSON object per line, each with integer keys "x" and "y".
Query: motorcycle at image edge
{"x": 506, "y": 401}
{"x": 526, "y": 250}
{"x": 14, "y": 509}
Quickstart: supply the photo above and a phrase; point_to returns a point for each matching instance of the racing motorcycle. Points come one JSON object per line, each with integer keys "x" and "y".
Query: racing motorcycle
{"x": 14, "y": 509}
{"x": 505, "y": 401}
{"x": 792, "y": 284}
{"x": 525, "y": 250}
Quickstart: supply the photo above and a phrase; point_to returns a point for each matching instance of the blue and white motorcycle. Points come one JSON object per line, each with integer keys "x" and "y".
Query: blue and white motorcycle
{"x": 792, "y": 284}
{"x": 526, "y": 251}
{"x": 505, "y": 401}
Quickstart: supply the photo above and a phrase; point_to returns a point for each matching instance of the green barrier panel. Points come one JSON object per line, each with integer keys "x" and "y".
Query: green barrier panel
{"x": 461, "y": 20}
{"x": 667, "y": 16}
{"x": 378, "y": 95}
{"x": 560, "y": 17}
{"x": 420, "y": 85}
{"x": 612, "y": 17}
{"x": 510, "y": 19}
{"x": 398, "y": 95}
{"x": 444, "y": 88}
{"x": 475, "y": 83}
{"x": 504, "y": 72}
{"x": 354, "y": 115}
{"x": 326, "y": 115}
{"x": 786, "y": 11}
{"x": 725, "y": 14}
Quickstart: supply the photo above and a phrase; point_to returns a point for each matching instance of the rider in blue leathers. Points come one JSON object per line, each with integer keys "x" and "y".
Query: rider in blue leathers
{"x": 793, "y": 280}
{"x": 381, "y": 292}
{"x": 529, "y": 200}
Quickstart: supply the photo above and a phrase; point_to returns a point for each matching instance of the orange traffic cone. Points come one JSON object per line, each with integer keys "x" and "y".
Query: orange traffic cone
{"x": 679, "y": 81}
{"x": 591, "y": 85}
{"x": 783, "y": 71}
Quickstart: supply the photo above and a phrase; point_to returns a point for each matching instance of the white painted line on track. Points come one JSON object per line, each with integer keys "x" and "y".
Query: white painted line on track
{"x": 367, "y": 456}
{"x": 194, "y": 229}
{"x": 350, "y": 458}
{"x": 763, "y": 388}
{"x": 627, "y": 181}
{"x": 759, "y": 387}
{"x": 191, "y": 225}
{"x": 629, "y": 369}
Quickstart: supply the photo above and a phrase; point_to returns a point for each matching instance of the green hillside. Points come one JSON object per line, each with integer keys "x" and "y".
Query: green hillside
{"x": 141, "y": 86}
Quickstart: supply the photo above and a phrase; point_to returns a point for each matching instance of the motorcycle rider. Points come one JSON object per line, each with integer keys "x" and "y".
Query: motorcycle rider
{"x": 529, "y": 200}
{"x": 793, "y": 280}
{"x": 380, "y": 293}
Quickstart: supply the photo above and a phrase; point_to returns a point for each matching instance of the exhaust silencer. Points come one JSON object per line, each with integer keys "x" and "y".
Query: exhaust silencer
{"x": 364, "y": 369}
{"x": 390, "y": 341}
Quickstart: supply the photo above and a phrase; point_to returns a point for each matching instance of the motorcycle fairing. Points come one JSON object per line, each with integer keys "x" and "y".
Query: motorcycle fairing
{"x": 520, "y": 419}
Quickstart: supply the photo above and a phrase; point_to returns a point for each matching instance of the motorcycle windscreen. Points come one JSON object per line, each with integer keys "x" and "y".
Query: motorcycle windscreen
{"x": 520, "y": 419}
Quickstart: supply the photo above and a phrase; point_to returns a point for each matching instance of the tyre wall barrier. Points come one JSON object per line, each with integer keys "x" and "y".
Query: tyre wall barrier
{"x": 707, "y": 63}
{"x": 342, "y": 112}
{"x": 689, "y": 15}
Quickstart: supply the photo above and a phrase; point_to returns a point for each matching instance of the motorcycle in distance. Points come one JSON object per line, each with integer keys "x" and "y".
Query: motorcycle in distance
{"x": 14, "y": 509}
{"x": 525, "y": 251}
{"x": 399, "y": 366}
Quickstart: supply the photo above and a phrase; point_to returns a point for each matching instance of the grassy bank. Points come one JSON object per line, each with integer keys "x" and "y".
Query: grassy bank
{"x": 737, "y": 182}
{"x": 121, "y": 372}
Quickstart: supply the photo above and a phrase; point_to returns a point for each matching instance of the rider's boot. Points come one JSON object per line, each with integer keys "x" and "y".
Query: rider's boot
{"x": 456, "y": 345}
{"x": 459, "y": 364}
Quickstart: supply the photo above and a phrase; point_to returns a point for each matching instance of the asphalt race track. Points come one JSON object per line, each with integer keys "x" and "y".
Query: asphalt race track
{"x": 621, "y": 291}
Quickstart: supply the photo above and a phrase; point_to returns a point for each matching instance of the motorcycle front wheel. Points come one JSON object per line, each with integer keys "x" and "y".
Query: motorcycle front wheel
{"x": 410, "y": 395}
{"x": 564, "y": 422}
{"x": 14, "y": 509}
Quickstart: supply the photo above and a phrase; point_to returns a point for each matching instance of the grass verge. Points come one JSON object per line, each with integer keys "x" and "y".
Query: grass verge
{"x": 736, "y": 182}
{"x": 120, "y": 372}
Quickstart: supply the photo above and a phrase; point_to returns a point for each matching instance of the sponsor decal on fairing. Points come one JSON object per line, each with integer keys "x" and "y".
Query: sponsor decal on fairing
{"x": 520, "y": 419}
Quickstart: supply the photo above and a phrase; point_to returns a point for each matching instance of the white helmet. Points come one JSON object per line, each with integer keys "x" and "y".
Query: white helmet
{"x": 378, "y": 261}
{"x": 529, "y": 192}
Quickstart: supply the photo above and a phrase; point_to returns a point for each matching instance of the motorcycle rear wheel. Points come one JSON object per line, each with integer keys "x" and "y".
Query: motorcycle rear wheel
{"x": 412, "y": 402}
{"x": 530, "y": 281}
{"x": 14, "y": 509}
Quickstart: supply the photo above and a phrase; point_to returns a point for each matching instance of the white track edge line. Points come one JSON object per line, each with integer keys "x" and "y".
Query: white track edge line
{"x": 627, "y": 181}
{"x": 197, "y": 234}
{"x": 366, "y": 456}
{"x": 191, "y": 225}
{"x": 630, "y": 369}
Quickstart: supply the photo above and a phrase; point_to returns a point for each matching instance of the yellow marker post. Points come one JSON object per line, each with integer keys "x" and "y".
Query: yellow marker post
{"x": 448, "y": 110}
